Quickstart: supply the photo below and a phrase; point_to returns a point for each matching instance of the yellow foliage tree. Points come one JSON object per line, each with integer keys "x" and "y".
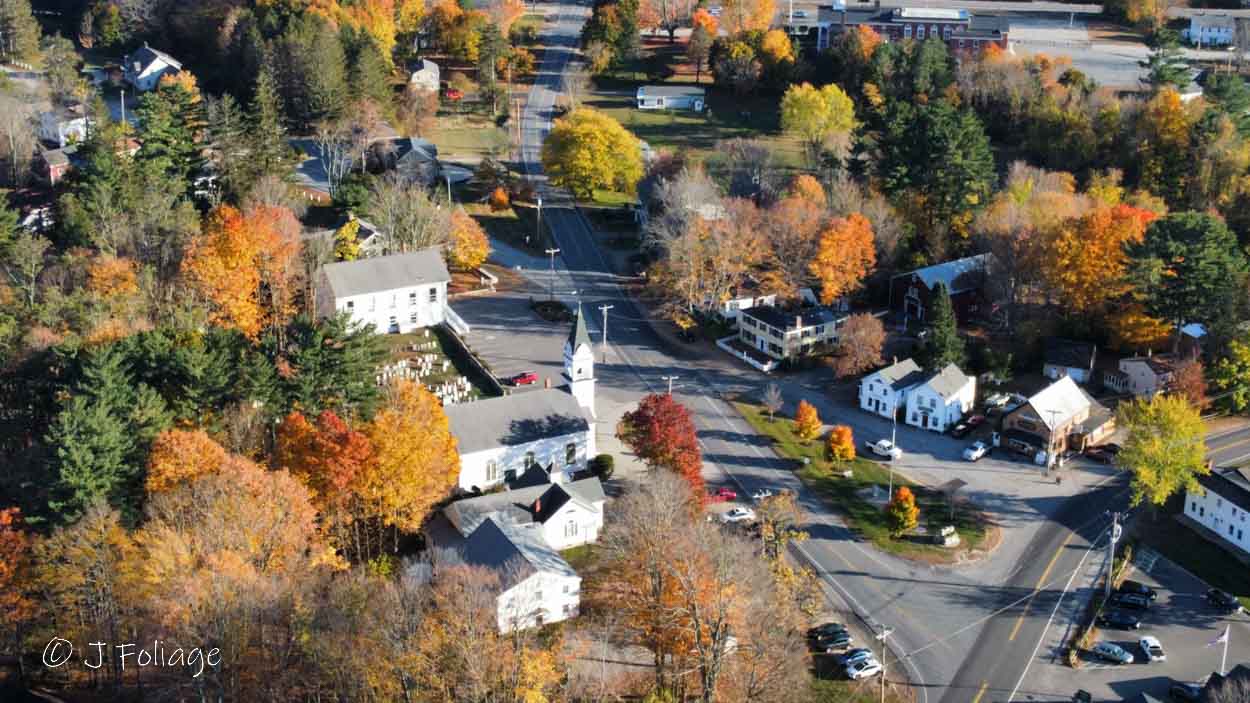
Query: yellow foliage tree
{"x": 807, "y": 423}
{"x": 1165, "y": 447}
{"x": 588, "y": 151}
{"x": 1084, "y": 262}
{"x": 902, "y": 512}
{"x": 776, "y": 48}
{"x": 415, "y": 463}
{"x": 820, "y": 117}
{"x": 178, "y": 456}
{"x": 347, "y": 241}
{"x": 841, "y": 443}
{"x": 806, "y": 187}
{"x": 1132, "y": 329}
{"x": 468, "y": 245}
{"x": 747, "y": 15}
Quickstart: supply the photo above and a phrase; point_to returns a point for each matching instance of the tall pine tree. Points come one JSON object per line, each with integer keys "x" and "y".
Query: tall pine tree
{"x": 270, "y": 152}
{"x": 19, "y": 32}
{"x": 171, "y": 120}
{"x": 945, "y": 346}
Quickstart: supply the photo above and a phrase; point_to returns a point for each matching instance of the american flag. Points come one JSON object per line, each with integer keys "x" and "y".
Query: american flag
{"x": 1222, "y": 639}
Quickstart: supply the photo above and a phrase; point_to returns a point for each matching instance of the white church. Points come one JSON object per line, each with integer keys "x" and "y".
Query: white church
{"x": 551, "y": 430}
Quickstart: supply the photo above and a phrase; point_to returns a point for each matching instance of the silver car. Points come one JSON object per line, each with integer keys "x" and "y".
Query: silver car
{"x": 1112, "y": 653}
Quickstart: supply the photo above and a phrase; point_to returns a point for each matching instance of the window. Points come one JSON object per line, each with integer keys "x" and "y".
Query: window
{"x": 1202, "y": 511}
{"x": 907, "y": 31}
{"x": 1230, "y": 530}
{"x": 570, "y": 453}
{"x": 351, "y": 305}
{"x": 433, "y": 295}
{"x": 529, "y": 459}
{"x": 1238, "y": 535}
{"x": 920, "y": 32}
{"x": 946, "y": 31}
{"x": 570, "y": 610}
{"x": 492, "y": 470}
{"x": 568, "y": 588}
{"x": 1193, "y": 507}
{"x": 412, "y": 298}
{"x": 413, "y": 318}
{"x": 393, "y": 322}
{"x": 1219, "y": 502}
{"x": 570, "y": 530}
{"x": 394, "y": 300}
{"x": 373, "y": 303}
{"x": 933, "y": 31}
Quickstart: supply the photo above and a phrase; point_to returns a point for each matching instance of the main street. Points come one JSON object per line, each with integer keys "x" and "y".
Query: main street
{"x": 937, "y": 614}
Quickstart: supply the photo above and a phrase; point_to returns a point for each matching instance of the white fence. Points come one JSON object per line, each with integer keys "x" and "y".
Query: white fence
{"x": 454, "y": 321}
{"x": 766, "y": 367}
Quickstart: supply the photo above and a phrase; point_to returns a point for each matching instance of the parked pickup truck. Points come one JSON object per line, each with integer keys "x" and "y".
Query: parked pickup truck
{"x": 885, "y": 448}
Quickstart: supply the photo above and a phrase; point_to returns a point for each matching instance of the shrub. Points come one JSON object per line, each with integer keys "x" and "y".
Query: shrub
{"x": 603, "y": 466}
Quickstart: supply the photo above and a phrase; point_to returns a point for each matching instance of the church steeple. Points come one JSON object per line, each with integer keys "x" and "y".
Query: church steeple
{"x": 579, "y": 363}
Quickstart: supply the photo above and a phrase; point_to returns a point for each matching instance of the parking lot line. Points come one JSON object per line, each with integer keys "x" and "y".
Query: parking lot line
{"x": 1045, "y": 574}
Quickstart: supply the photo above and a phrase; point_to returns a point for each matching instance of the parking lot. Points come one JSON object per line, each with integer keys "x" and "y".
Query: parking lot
{"x": 1180, "y": 618}
{"x": 1110, "y": 63}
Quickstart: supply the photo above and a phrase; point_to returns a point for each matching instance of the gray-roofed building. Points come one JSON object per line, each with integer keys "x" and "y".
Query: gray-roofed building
{"x": 569, "y": 514}
{"x": 911, "y": 294}
{"x": 396, "y": 293}
{"x": 536, "y": 585}
{"x": 1065, "y": 357}
{"x": 1058, "y": 418}
{"x": 547, "y": 429}
{"x": 144, "y": 67}
{"x": 884, "y": 392}
{"x": 782, "y": 334}
{"x": 1220, "y": 511}
{"x": 427, "y": 75}
{"x": 941, "y": 399}
{"x": 671, "y": 97}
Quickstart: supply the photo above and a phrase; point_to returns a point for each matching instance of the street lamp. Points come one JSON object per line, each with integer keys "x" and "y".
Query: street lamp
{"x": 670, "y": 380}
{"x": 538, "y": 223}
{"x": 551, "y": 284}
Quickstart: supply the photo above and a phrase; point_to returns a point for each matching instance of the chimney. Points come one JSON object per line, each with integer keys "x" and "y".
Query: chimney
{"x": 538, "y": 505}
{"x": 798, "y": 322}
{"x": 547, "y": 382}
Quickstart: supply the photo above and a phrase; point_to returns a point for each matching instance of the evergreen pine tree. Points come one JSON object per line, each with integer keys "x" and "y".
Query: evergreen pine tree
{"x": 368, "y": 69}
{"x": 945, "y": 346}
{"x": 1166, "y": 64}
{"x": 91, "y": 445}
{"x": 313, "y": 70}
{"x": 230, "y": 147}
{"x": 270, "y": 153}
{"x": 171, "y": 120}
{"x": 19, "y": 32}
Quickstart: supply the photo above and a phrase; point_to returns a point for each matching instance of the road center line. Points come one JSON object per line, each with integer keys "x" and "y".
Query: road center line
{"x": 981, "y": 692}
{"x": 1045, "y": 574}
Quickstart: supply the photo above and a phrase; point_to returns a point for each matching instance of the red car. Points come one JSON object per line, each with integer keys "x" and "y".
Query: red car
{"x": 976, "y": 420}
{"x": 453, "y": 95}
{"x": 524, "y": 378}
{"x": 724, "y": 494}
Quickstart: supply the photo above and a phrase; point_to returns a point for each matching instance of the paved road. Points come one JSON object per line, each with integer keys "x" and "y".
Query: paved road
{"x": 1229, "y": 448}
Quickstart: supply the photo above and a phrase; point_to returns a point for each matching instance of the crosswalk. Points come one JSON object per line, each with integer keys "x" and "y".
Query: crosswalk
{"x": 1145, "y": 558}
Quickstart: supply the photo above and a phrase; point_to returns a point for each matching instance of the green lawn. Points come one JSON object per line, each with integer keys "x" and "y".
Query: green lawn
{"x": 1206, "y": 560}
{"x": 865, "y": 518}
{"x": 515, "y": 225}
{"x": 729, "y": 116}
{"x": 468, "y": 136}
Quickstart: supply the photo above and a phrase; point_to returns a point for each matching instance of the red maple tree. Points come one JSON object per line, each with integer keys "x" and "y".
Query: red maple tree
{"x": 662, "y": 434}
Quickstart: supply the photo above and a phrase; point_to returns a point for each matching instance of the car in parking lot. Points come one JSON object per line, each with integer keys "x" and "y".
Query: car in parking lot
{"x": 863, "y": 669}
{"x": 761, "y": 494}
{"x": 738, "y": 515}
{"x": 827, "y": 629}
{"x": 1139, "y": 588}
{"x": 1185, "y": 692}
{"x": 976, "y": 450}
{"x": 961, "y": 429}
{"x": 1099, "y": 455}
{"x": 1113, "y": 653}
{"x": 724, "y": 494}
{"x": 1129, "y": 601}
{"x": 1153, "y": 649}
{"x": 1119, "y": 619}
{"x": 525, "y": 378}
{"x": 832, "y": 643}
{"x": 1223, "y": 600}
{"x": 858, "y": 654}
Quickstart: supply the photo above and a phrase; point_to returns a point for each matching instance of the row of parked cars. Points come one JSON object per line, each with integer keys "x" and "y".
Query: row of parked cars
{"x": 831, "y": 637}
{"x": 1124, "y": 611}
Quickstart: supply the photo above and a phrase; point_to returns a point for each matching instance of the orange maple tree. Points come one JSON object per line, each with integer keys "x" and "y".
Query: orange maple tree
{"x": 706, "y": 20}
{"x": 807, "y": 422}
{"x": 178, "y": 456}
{"x": 15, "y": 604}
{"x": 869, "y": 40}
{"x": 845, "y": 256}
{"x": 112, "y": 276}
{"x": 841, "y": 443}
{"x": 468, "y": 245}
{"x": 806, "y": 187}
{"x": 1085, "y": 261}
{"x": 328, "y": 457}
{"x": 245, "y": 264}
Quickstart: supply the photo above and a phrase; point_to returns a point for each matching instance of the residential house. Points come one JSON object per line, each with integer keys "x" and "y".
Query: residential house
{"x": 396, "y": 294}
{"x": 61, "y": 128}
{"x": 1222, "y": 507}
{"x": 536, "y": 585}
{"x": 1190, "y": 340}
{"x": 416, "y": 160}
{"x": 569, "y": 514}
{"x": 1143, "y": 376}
{"x": 427, "y": 76}
{"x": 1060, "y": 417}
{"x": 785, "y": 335}
{"x": 911, "y": 294}
{"x": 1065, "y": 357}
{"x": 729, "y": 308}
{"x": 52, "y": 165}
{"x": 884, "y": 392}
{"x": 671, "y": 97}
{"x": 960, "y": 29}
{"x": 145, "y": 67}
{"x": 1211, "y": 28}
{"x": 941, "y": 399}
{"x": 551, "y": 429}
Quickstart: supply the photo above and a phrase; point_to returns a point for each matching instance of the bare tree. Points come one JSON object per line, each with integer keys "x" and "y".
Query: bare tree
{"x": 17, "y": 137}
{"x": 747, "y": 168}
{"x": 273, "y": 191}
{"x": 773, "y": 400}
{"x": 1229, "y": 689}
{"x": 859, "y": 344}
{"x": 680, "y": 200}
{"x": 406, "y": 215}
{"x": 23, "y": 263}
{"x": 335, "y": 146}
{"x": 576, "y": 86}
{"x": 417, "y": 109}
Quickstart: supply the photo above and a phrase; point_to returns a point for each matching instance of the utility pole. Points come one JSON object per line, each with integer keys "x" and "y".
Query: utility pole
{"x": 604, "y": 309}
{"x": 123, "y": 106}
{"x": 538, "y": 223}
{"x": 670, "y": 380}
{"x": 1115, "y": 537}
{"x": 885, "y": 632}
{"x": 551, "y": 284}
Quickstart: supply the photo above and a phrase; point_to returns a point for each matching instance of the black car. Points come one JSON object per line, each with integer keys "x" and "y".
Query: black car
{"x": 1139, "y": 588}
{"x": 1223, "y": 601}
{"x": 1099, "y": 455}
{"x": 1129, "y": 601}
{"x": 961, "y": 429}
{"x": 832, "y": 643}
{"x": 1182, "y": 692}
{"x": 826, "y": 630}
{"x": 1119, "y": 619}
